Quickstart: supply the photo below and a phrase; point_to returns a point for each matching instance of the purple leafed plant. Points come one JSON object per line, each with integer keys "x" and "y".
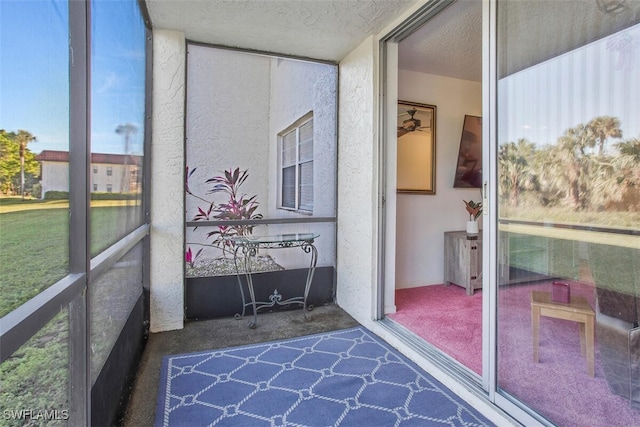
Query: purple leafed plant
{"x": 190, "y": 258}
{"x": 238, "y": 206}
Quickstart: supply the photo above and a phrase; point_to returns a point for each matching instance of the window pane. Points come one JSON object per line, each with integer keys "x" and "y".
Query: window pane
{"x": 568, "y": 163}
{"x": 306, "y": 142}
{"x": 289, "y": 187}
{"x": 117, "y": 120}
{"x": 306, "y": 186}
{"x": 289, "y": 149}
{"x": 34, "y": 123}
{"x": 35, "y": 378}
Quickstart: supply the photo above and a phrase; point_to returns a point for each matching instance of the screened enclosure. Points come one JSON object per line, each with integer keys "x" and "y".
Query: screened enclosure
{"x": 260, "y": 161}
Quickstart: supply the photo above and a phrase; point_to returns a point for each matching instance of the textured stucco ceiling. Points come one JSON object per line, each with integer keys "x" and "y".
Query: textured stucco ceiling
{"x": 319, "y": 29}
{"x": 449, "y": 44}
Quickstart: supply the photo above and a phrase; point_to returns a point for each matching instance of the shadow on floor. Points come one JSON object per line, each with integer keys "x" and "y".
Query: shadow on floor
{"x": 220, "y": 333}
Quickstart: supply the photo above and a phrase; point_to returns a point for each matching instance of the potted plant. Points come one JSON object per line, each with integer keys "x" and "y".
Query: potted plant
{"x": 238, "y": 206}
{"x": 475, "y": 210}
{"x": 211, "y": 285}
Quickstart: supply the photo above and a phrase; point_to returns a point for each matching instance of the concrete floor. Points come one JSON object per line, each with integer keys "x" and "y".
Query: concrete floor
{"x": 220, "y": 333}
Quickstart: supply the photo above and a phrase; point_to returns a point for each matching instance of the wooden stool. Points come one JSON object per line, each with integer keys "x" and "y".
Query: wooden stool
{"x": 578, "y": 310}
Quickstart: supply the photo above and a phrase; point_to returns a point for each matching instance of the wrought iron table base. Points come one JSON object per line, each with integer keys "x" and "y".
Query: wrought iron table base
{"x": 249, "y": 249}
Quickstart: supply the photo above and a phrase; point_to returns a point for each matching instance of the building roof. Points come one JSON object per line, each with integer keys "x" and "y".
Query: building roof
{"x": 106, "y": 158}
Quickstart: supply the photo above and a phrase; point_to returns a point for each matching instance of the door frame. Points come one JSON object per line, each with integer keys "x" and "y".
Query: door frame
{"x": 387, "y": 154}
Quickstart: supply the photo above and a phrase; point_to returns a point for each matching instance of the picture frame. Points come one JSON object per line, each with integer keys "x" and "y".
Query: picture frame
{"x": 416, "y": 148}
{"x": 469, "y": 165}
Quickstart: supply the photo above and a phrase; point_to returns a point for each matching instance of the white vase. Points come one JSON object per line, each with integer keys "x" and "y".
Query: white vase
{"x": 472, "y": 227}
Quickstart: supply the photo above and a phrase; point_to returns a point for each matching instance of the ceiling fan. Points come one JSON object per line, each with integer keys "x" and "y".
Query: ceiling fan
{"x": 411, "y": 124}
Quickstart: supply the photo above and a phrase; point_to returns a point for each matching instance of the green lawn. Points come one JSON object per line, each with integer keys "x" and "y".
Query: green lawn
{"x": 15, "y": 204}
{"x": 35, "y": 246}
{"x": 34, "y": 242}
{"x": 34, "y": 255}
{"x": 36, "y": 376}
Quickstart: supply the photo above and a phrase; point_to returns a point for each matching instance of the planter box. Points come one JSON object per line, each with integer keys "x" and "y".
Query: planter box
{"x": 219, "y": 296}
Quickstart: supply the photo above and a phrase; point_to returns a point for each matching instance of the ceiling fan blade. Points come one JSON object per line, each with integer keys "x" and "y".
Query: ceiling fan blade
{"x": 411, "y": 124}
{"x": 402, "y": 131}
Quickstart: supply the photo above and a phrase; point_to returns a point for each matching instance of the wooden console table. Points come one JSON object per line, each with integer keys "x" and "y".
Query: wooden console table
{"x": 463, "y": 260}
{"x": 578, "y": 310}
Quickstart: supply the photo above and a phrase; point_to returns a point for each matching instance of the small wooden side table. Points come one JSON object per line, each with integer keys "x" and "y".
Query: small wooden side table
{"x": 463, "y": 260}
{"x": 578, "y": 310}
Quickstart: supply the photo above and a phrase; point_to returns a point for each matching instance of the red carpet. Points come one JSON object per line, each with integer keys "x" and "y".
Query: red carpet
{"x": 445, "y": 317}
{"x": 558, "y": 387}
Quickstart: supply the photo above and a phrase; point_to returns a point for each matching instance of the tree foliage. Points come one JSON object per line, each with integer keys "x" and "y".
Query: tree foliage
{"x": 12, "y": 145}
{"x": 516, "y": 173}
{"x": 579, "y": 171}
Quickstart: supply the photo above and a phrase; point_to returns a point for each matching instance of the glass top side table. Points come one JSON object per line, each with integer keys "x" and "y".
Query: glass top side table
{"x": 246, "y": 249}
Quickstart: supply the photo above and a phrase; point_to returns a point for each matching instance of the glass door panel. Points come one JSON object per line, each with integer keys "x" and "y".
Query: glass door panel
{"x": 117, "y": 121}
{"x": 568, "y": 209}
{"x": 34, "y": 149}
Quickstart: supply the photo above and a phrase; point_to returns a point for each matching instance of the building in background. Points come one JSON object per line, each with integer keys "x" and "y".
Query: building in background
{"x": 110, "y": 173}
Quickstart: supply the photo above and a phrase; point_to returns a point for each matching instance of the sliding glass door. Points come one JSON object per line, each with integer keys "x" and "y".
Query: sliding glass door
{"x": 568, "y": 209}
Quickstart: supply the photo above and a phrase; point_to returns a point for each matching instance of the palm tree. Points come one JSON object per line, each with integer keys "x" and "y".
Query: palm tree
{"x": 23, "y": 138}
{"x": 567, "y": 164}
{"x": 630, "y": 151}
{"x": 627, "y": 166}
{"x": 606, "y": 184}
{"x": 603, "y": 128}
{"x": 126, "y": 130}
{"x": 515, "y": 171}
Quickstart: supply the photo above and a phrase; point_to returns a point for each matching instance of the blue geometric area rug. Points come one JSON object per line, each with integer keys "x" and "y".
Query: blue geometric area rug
{"x": 347, "y": 377}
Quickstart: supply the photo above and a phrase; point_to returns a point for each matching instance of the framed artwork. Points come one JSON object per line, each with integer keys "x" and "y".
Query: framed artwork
{"x": 469, "y": 166}
{"x": 416, "y": 148}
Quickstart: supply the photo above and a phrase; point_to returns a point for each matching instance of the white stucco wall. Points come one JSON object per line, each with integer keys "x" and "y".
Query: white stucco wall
{"x": 55, "y": 176}
{"x": 237, "y": 103}
{"x": 228, "y": 95}
{"x": 422, "y": 219}
{"x": 357, "y": 186}
{"x": 119, "y": 179}
{"x": 227, "y": 120}
{"x": 298, "y": 87}
{"x": 167, "y": 188}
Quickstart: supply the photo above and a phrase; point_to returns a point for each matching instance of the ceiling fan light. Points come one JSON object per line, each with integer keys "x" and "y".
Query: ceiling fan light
{"x": 411, "y": 124}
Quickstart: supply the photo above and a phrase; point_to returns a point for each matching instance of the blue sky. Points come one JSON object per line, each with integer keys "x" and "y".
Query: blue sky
{"x": 34, "y": 82}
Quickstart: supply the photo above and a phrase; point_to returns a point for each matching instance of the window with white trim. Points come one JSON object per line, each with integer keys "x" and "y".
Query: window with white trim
{"x": 296, "y": 166}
